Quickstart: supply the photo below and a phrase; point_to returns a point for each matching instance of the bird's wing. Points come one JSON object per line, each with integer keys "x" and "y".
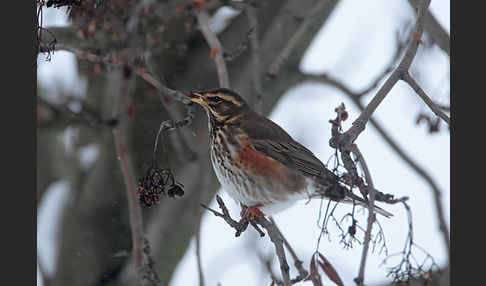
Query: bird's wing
{"x": 294, "y": 156}
{"x": 271, "y": 140}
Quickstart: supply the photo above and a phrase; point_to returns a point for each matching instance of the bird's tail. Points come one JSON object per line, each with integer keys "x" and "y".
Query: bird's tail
{"x": 365, "y": 205}
{"x": 354, "y": 199}
{"x": 342, "y": 194}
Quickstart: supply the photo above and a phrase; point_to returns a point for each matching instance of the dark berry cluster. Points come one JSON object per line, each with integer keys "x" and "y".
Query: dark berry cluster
{"x": 154, "y": 183}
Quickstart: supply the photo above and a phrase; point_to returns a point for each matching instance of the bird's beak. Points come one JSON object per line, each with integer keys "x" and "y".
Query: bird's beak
{"x": 196, "y": 97}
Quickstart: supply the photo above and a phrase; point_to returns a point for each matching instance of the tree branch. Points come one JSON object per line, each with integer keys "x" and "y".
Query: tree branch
{"x": 327, "y": 79}
{"x": 359, "y": 124}
{"x": 371, "y": 216}
{"x": 297, "y": 262}
{"x": 355, "y": 179}
{"x": 432, "y": 27}
{"x": 135, "y": 213}
{"x": 216, "y": 48}
{"x": 272, "y": 230}
{"x": 277, "y": 240}
{"x": 409, "y": 79}
{"x": 142, "y": 72}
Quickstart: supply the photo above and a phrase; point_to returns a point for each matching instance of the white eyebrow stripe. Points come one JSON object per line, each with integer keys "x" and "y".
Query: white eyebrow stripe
{"x": 225, "y": 97}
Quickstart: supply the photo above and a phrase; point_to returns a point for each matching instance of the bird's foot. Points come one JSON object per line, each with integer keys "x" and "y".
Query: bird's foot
{"x": 249, "y": 216}
{"x": 251, "y": 213}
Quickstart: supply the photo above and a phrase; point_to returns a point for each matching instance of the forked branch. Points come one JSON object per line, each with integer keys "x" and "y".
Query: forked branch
{"x": 271, "y": 228}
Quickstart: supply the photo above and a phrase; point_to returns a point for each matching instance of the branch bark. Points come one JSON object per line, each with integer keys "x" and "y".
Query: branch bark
{"x": 409, "y": 79}
{"x": 360, "y": 123}
{"x": 272, "y": 230}
{"x": 432, "y": 27}
{"x": 216, "y": 48}
{"x": 135, "y": 214}
{"x": 353, "y": 96}
{"x": 257, "y": 98}
{"x": 371, "y": 217}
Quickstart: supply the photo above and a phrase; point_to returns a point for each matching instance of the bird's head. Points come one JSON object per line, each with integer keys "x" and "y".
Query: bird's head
{"x": 222, "y": 105}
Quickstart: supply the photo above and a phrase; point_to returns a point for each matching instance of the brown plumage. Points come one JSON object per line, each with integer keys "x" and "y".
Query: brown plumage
{"x": 257, "y": 163}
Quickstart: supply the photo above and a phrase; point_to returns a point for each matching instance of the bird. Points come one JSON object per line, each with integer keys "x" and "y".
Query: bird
{"x": 258, "y": 164}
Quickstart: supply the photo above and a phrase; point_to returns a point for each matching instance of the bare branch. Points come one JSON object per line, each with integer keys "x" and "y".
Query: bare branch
{"x": 215, "y": 46}
{"x": 409, "y": 269}
{"x": 409, "y": 79}
{"x": 267, "y": 262}
{"x": 169, "y": 125}
{"x": 327, "y": 79}
{"x": 359, "y": 124}
{"x": 297, "y": 262}
{"x": 142, "y": 72}
{"x": 135, "y": 213}
{"x": 432, "y": 27}
{"x": 176, "y": 94}
{"x": 371, "y": 217}
{"x": 271, "y": 228}
{"x": 355, "y": 179}
{"x": 239, "y": 227}
{"x": 277, "y": 240}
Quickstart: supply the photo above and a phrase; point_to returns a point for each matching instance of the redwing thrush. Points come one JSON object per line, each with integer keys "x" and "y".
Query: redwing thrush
{"x": 258, "y": 164}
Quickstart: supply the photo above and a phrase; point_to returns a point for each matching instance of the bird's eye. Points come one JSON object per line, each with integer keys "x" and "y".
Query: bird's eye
{"x": 215, "y": 99}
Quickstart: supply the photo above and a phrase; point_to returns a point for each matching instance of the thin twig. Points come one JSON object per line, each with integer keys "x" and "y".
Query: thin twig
{"x": 419, "y": 170}
{"x": 350, "y": 166}
{"x": 176, "y": 94}
{"x": 271, "y": 228}
{"x": 239, "y": 227}
{"x": 297, "y": 262}
{"x": 409, "y": 268}
{"x": 433, "y": 28}
{"x": 409, "y": 79}
{"x": 215, "y": 46}
{"x": 142, "y": 72}
{"x": 366, "y": 112}
{"x": 163, "y": 91}
{"x": 371, "y": 215}
{"x": 359, "y": 124}
{"x": 169, "y": 125}
{"x": 277, "y": 240}
{"x": 400, "y": 47}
